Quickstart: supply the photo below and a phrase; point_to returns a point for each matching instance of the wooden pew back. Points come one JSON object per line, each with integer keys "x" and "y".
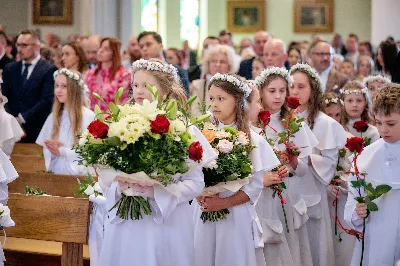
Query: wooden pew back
{"x": 27, "y": 157}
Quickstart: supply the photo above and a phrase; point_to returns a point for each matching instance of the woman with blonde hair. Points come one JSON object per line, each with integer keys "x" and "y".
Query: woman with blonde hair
{"x": 218, "y": 59}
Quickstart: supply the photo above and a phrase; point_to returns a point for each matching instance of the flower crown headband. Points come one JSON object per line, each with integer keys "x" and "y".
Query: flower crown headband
{"x": 310, "y": 72}
{"x": 242, "y": 85}
{"x": 155, "y": 66}
{"x": 334, "y": 100}
{"x": 73, "y": 76}
{"x": 354, "y": 91}
{"x": 378, "y": 77}
{"x": 280, "y": 71}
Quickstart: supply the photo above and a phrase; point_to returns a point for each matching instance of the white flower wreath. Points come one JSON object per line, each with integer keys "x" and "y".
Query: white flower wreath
{"x": 380, "y": 78}
{"x": 242, "y": 85}
{"x": 334, "y": 100}
{"x": 280, "y": 71}
{"x": 155, "y": 66}
{"x": 73, "y": 76}
{"x": 309, "y": 70}
{"x": 356, "y": 92}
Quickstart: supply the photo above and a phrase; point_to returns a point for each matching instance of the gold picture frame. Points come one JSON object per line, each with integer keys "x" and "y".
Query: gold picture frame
{"x": 313, "y": 16}
{"x": 52, "y": 12}
{"x": 246, "y": 16}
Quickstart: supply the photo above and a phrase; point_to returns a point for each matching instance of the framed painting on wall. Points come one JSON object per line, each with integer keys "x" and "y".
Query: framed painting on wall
{"x": 52, "y": 11}
{"x": 246, "y": 16}
{"x": 313, "y": 16}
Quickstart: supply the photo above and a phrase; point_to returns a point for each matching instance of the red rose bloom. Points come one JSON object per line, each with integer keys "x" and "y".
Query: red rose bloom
{"x": 196, "y": 151}
{"x": 293, "y": 102}
{"x": 160, "y": 125}
{"x": 361, "y": 126}
{"x": 355, "y": 144}
{"x": 98, "y": 129}
{"x": 264, "y": 117}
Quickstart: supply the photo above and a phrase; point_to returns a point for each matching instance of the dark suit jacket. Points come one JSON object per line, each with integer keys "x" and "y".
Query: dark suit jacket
{"x": 4, "y": 61}
{"x": 194, "y": 72}
{"x": 33, "y": 99}
{"x": 183, "y": 74}
{"x": 246, "y": 68}
{"x": 335, "y": 79}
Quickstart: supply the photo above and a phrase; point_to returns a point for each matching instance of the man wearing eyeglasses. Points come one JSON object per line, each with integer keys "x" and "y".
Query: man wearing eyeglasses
{"x": 29, "y": 85}
{"x": 321, "y": 54}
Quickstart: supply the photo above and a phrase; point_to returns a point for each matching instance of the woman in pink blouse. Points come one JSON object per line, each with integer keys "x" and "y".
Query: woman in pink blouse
{"x": 109, "y": 75}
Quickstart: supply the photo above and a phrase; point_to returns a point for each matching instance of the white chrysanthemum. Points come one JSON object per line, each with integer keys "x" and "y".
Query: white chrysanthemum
{"x": 126, "y": 109}
{"x": 212, "y": 165}
{"x": 130, "y": 128}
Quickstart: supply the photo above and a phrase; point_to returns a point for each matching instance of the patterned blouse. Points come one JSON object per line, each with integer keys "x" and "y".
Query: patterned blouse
{"x": 106, "y": 88}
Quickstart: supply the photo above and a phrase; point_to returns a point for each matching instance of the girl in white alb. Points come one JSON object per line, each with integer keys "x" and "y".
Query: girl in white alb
{"x": 236, "y": 240}
{"x": 321, "y": 162}
{"x": 273, "y": 84}
{"x": 166, "y": 236}
{"x": 60, "y": 132}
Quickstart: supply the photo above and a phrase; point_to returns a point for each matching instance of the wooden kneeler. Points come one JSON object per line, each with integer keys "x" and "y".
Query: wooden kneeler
{"x": 52, "y": 218}
{"x": 62, "y": 217}
{"x": 28, "y": 157}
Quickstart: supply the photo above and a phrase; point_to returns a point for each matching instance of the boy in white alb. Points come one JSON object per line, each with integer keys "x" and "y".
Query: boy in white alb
{"x": 380, "y": 161}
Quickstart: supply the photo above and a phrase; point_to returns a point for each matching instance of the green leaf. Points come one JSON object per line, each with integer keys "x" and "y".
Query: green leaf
{"x": 99, "y": 114}
{"x": 172, "y": 109}
{"x": 203, "y": 118}
{"x": 231, "y": 130}
{"x": 118, "y": 95}
{"x": 371, "y": 206}
{"x": 113, "y": 141}
{"x": 382, "y": 189}
{"x": 113, "y": 108}
{"x": 358, "y": 183}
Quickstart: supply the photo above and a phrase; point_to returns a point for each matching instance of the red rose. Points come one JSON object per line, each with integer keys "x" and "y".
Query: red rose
{"x": 361, "y": 126}
{"x": 98, "y": 129}
{"x": 355, "y": 144}
{"x": 196, "y": 151}
{"x": 160, "y": 125}
{"x": 264, "y": 117}
{"x": 293, "y": 102}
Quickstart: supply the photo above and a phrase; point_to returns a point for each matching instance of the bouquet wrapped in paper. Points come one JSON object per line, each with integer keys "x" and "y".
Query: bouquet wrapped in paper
{"x": 232, "y": 168}
{"x": 141, "y": 147}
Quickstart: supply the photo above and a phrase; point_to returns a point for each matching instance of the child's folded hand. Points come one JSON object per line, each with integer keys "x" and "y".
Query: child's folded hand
{"x": 361, "y": 210}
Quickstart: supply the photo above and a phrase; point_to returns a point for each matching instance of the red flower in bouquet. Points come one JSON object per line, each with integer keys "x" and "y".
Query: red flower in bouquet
{"x": 361, "y": 126}
{"x": 293, "y": 102}
{"x": 196, "y": 151}
{"x": 98, "y": 129}
{"x": 355, "y": 144}
{"x": 160, "y": 125}
{"x": 264, "y": 117}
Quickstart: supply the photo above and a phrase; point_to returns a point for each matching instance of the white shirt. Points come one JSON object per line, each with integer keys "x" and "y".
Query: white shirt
{"x": 324, "y": 77}
{"x": 31, "y": 67}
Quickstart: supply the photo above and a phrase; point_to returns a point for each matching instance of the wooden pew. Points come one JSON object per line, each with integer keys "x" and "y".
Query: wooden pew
{"x": 61, "y": 219}
{"x": 28, "y": 157}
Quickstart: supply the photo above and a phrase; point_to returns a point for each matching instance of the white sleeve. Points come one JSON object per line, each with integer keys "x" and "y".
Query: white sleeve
{"x": 324, "y": 164}
{"x": 350, "y": 215}
{"x": 301, "y": 169}
{"x": 190, "y": 186}
{"x": 254, "y": 187}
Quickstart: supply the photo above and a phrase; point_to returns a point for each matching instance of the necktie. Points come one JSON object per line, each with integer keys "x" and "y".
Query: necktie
{"x": 25, "y": 73}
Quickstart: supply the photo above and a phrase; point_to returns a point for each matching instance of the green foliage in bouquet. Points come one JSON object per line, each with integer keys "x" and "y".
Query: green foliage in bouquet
{"x": 150, "y": 138}
{"x": 233, "y": 162}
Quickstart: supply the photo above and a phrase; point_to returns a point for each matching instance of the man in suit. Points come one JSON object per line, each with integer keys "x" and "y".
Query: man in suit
{"x": 29, "y": 86}
{"x": 150, "y": 43}
{"x": 396, "y": 77}
{"x": 260, "y": 38}
{"x": 321, "y": 54}
{"x": 274, "y": 54}
{"x": 4, "y": 59}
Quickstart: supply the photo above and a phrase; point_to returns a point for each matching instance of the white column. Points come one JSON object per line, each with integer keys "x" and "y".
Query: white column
{"x": 169, "y": 23}
{"x": 104, "y": 17}
{"x": 385, "y": 20}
